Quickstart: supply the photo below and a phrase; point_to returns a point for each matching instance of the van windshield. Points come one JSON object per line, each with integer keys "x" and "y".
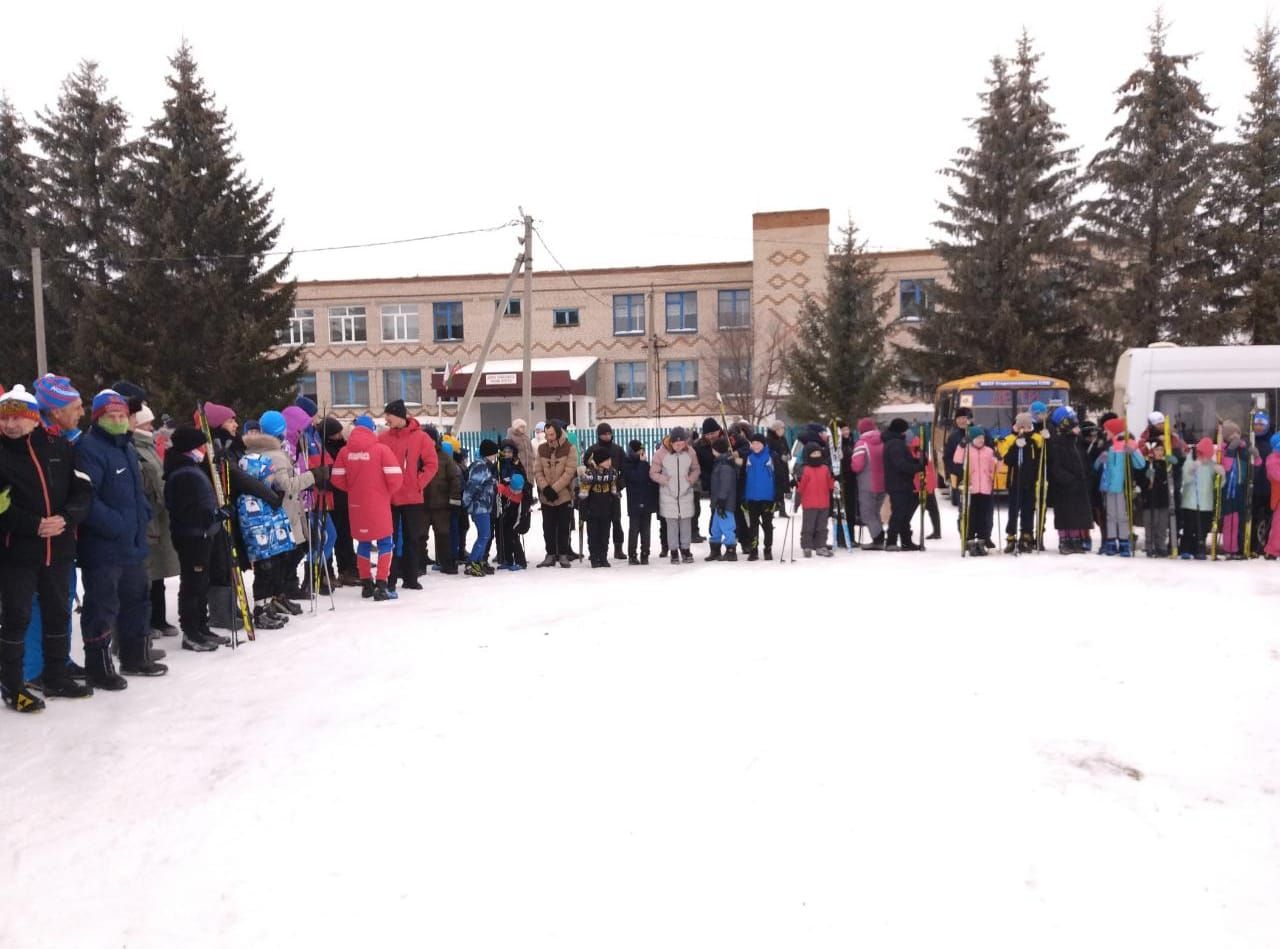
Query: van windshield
{"x": 1194, "y": 413}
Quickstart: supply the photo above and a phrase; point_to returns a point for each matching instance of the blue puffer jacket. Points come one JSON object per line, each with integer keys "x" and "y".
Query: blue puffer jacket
{"x": 1111, "y": 464}
{"x": 481, "y": 489}
{"x": 115, "y": 532}
{"x": 761, "y": 483}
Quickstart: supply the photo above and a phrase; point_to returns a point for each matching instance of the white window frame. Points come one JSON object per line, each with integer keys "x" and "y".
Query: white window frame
{"x": 399, "y": 314}
{"x": 641, "y": 380}
{"x": 303, "y": 318}
{"x": 346, "y": 318}
{"x": 555, "y": 317}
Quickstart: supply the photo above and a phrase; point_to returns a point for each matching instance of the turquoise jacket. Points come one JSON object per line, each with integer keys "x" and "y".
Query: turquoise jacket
{"x": 1111, "y": 465}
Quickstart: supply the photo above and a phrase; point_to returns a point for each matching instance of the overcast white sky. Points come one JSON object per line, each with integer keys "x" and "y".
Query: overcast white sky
{"x": 635, "y": 133}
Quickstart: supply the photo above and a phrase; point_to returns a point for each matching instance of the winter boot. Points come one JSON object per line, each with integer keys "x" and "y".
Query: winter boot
{"x": 287, "y": 605}
{"x": 617, "y": 552}
{"x": 1123, "y": 548}
{"x": 548, "y": 561}
{"x": 909, "y": 544}
{"x": 19, "y": 698}
{"x": 278, "y": 612}
{"x": 732, "y": 555}
{"x": 566, "y": 561}
{"x": 686, "y": 556}
{"x": 59, "y": 685}
{"x": 754, "y": 555}
{"x": 216, "y": 638}
{"x": 194, "y": 641}
{"x": 1026, "y": 544}
{"x": 1110, "y": 547}
{"x": 76, "y": 671}
{"x": 366, "y": 589}
{"x": 644, "y": 560}
{"x": 808, "y": 553}
{"x": 101, "y": 671}
{"x": 662, "y": 553}
{"x": 262, "y": 619}
{"x": 675, "y": 556}
{"x": 1010, "y": 543}
{"x": 633, "y": 561}
{"x": 380, "y": 592}
{"x": 135, "y": 658}
{"x": 877, "y": 543}
{"x": 715, "y": 553}
{"x": 1067, "y": 545}
{"x": 768, "y": 553}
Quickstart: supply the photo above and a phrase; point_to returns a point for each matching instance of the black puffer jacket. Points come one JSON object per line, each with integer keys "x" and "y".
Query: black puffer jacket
{"x": 188, "y": 497}
{"x": 40, "y": 472}
{"x": 900, "y": 468}
{"x": 642, "y": 492}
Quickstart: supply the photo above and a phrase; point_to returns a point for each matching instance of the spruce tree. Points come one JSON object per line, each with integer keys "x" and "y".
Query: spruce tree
{"x": 17, "y": 176}
{"x": 838, "y": 366}
{"x": 1244, "y": 207}
{"x": 1015, "y": 273}
{"x": 1147, "y": 226}
{"x": 204, "y": 305}
{"x": 82, "y": 218}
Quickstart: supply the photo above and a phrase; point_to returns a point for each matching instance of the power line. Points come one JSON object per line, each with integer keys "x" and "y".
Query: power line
{"x": 543, "y": 241}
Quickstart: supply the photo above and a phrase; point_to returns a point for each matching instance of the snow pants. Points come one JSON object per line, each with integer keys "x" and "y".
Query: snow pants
{"x": 21, "y": 588}
{"x": 1195, "y": 524}
{"x": 902, "y": 507}
{"x": 442, "y": 527}
{"x": 366, "y": 566}
{"x": 981, "y": 510}
{"x": 1022, "y": 508}
{"x": 484, "y": 533}
{"x": 724, "y": 529}
{"x": 679, "y": 532}
{"x": 117, "y": 598}
{"x": 760, "y": 517}
{"x": 638, "y": 528}
{"x": 408, "y": 524}
{"x": 1273, "y": 535}
{"x": 193, "y": 581}
{"x": 1156, "y": 523}
{"x": 598, "y": 536}
{"x": 813, "y": 528}
{"x": 33, "y": 659}
{"x": 1117, "y": 508}
{"x": 1231, "y": 534}
{"x": 869, "y": 504}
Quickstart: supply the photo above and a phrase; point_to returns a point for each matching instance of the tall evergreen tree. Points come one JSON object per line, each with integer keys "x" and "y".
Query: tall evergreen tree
{"x": 17, "y": 179}
{"x": 82, "y": 217}
{"x": 1244, "y": 206}
{"x": 203, "y": 305}
{"x": 1147, "y": 226}
{"x": 839, "y": 366}
{"x": 1015, "y": 274}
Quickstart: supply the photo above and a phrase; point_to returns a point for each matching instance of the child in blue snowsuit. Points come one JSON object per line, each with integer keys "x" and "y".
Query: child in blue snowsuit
{"x": 479, "y": 497}
{"x": 724, "y": 501}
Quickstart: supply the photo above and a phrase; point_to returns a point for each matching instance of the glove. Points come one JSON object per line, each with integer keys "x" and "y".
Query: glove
{"x": 5, "y": 500}
{"x": 550, "y": 493}
{"x": 1021, "y": 443}
{"x": 321, "y": 474}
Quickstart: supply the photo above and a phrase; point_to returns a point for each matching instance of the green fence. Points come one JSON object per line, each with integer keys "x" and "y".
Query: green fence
{"x": 586, "y": 437}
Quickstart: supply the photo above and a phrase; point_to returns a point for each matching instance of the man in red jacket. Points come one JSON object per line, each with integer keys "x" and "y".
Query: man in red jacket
{"x": 368, "y": 472}
{"x": 415, "y": 452}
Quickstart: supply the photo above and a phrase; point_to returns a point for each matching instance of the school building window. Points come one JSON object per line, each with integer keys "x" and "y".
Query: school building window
{"x": 682, "y": 379}
{"x": 733, "y": 309}
{"x": 447, "y": 318}
{"x": 566, "y": 316}
{"x": 351, "y": 388}
{"x": 735, "y": 374}
{"x": 346, "y": 324}
{"x": 513, "y": 306}
{"x": 301, "y": 329}
{"x": 307, "y": 386}
{"x": 628, "y": 313}
{"x": 403, "y": 384}
{"x": 682, "y": 312}
{"x": 629, "y": 381}
{"x": 915, "y": 299}
{"x": 400, "y": 323}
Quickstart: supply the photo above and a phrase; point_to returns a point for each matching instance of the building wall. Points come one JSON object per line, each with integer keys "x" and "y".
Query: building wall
{"x": 789, "y": 261}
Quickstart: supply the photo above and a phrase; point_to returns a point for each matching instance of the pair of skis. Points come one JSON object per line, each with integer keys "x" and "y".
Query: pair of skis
{"x": 221, "y": 489}
{"x": 840, "y": 521}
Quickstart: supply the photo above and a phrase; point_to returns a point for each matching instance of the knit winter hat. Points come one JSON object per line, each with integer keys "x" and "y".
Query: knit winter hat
{"x": 396, "y": 407}
{"x": 273, "y": 423}
{"x": 964, "y": 412}
{"x": 105, "y": 399}
{"x": 710, "y": 425}
{"x": 1038, "y": 408}
{"x": 1114, "y": 427}
{"x": 307, "y": 405}
{"x": 604, "y": 428}
{"x": 866, "y": 425}
{"x": 601, "y": 454}
{"x": 331, "y": 427}
{"x": 635, "y": 445}
{"x": 758, "y": 437}
{"x": 133, "y": 393}
{"x": 519, "y": 425}
{"x": 364, "y": 421}
{"x": 54, "y": 392}
{"x": 1204, "y": 448}
{"x": 488, "y": 448}
{"x": 1262, "y": 418}
{"x": 252, "y": 425}
{"x": 218, "y": 415}
{"x": 19, "y": 403}
{"x": 448, "y": 448}
{"x": 678, "y": 434}
{"x": 899, "y": 425}
{"x": 779, "y": 427}
{"x": 1230, "y": 430}
{"x": 143, "y": 415}
{"x": 1156, "y": 420}
{"x": 1024, "y": 420}
{"x": 1061, "y": 414}
{"x": 974, "y": 432}
{"x": 187, "y": 438}
{"x": 433, "y": 433}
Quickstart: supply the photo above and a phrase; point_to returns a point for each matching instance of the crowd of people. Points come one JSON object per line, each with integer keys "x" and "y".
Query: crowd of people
{"x": 308, "y": 504}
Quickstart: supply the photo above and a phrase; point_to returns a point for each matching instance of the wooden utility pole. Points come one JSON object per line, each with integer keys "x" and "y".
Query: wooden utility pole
{"x": 37, "y": 295}
{"x": 526, "y": 377}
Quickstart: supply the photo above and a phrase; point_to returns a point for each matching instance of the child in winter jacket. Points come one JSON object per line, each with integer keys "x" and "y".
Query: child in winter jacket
{"x": 1117, "y": 465}
{"x": 675, "y": 470}
{"x": 1239, "y": 457}
{"x": 514, "y": 495}
{"x": 1154, "y": 487}
{"x": 1198, "y": 493}
{"x": 813, "y": 494}
{"x": 642, "y": 503}
{"x": 928, "y": 479}
{"x": 370, "y": 474}
{"x": 1272, "y": 550}
{"x": 1022, "y": 451}
{"x": 479, "y": 497}
{"x": 194, "y": 519}
{"x": 598, "y": 491}
{"x": 764, "y": 484}
{"x": 981, "y": 461}
{"x": 724, "y": 501}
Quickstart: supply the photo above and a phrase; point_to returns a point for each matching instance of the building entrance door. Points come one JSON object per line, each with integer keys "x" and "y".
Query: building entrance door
{"x": 495, "y": 415}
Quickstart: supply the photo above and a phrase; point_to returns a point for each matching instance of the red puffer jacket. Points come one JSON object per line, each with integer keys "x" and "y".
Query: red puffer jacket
{"x": 415, "y": 452}
{"x": 367, "y": 470}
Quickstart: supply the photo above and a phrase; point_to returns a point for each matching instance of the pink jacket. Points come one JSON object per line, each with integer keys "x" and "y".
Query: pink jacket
{"x": 1273, "y": 475}
{"x": 869, "y": 454}
{"x": 982, "y": 468}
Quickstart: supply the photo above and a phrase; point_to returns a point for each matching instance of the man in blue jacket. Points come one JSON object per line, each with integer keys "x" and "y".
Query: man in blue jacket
{"x": 112, "y": 549}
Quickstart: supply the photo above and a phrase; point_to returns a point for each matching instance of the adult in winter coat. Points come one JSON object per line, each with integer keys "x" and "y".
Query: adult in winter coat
{"x": 444, "y": 498}
{"x": 676, "y": 471}
{"x": 867, "y": 464}
{"x": 162, "y": 559}
{"x": 518, "y": 434}
{"x": 776, "y": 439}
{"x": 954, "y": 472}
{"x": 112, "y": 548}
{"x": 1069, "y": 478}
{"x": 371, "y": 475}
{"x": 416, "y": 453}
{"x": 900, "y": 470}
{"x": 642, "y": 502}
{"x": 1261, "y": 484}
{"x": 193, "y": 519}
{"x": 604, "y": 439}
{"x": 701, "y": 447}
{"x": 554, "y": 468}
{"x": 44, "y": 498}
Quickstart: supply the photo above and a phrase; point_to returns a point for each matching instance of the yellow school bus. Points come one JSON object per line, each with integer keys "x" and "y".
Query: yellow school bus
{"x": 995, "y": 398}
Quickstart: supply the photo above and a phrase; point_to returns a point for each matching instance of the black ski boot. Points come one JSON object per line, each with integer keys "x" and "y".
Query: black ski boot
{"x": 715, "y": 553}
{"x": 633, "y": 560}
{"x": 101, "y": 672}
{"x": 264, "y": 619}
{"x": 380, "y": 592}
{"x": 877, "y": 543}
{"x": 216, "y": 638}
{"x": 909, "y": 544}
{"x": 135, "y": 658}
{"x": 1026, "y": 544}
{"x": 290, "y": 607}
{"x": 644, "y": 560}
{"x": 548, "y": 561}
{"x": 753, "y": 556}
{"x": 19, "y": 698}
{"x": 366, "y": 589}
{"x": 663, "y": 553}
{"x": 59, "y": 685}
{"x": 768, "y": 553}
{"x": 194, "y": 641}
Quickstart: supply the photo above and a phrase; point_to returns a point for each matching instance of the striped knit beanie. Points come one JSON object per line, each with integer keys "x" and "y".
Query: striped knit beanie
{"x": 19, "y": 403}
{"x": 105, "y": 400}
{"x": 54, "y": 392}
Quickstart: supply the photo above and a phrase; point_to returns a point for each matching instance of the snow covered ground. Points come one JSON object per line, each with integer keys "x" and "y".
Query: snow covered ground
{"x": 876, "y": 750}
